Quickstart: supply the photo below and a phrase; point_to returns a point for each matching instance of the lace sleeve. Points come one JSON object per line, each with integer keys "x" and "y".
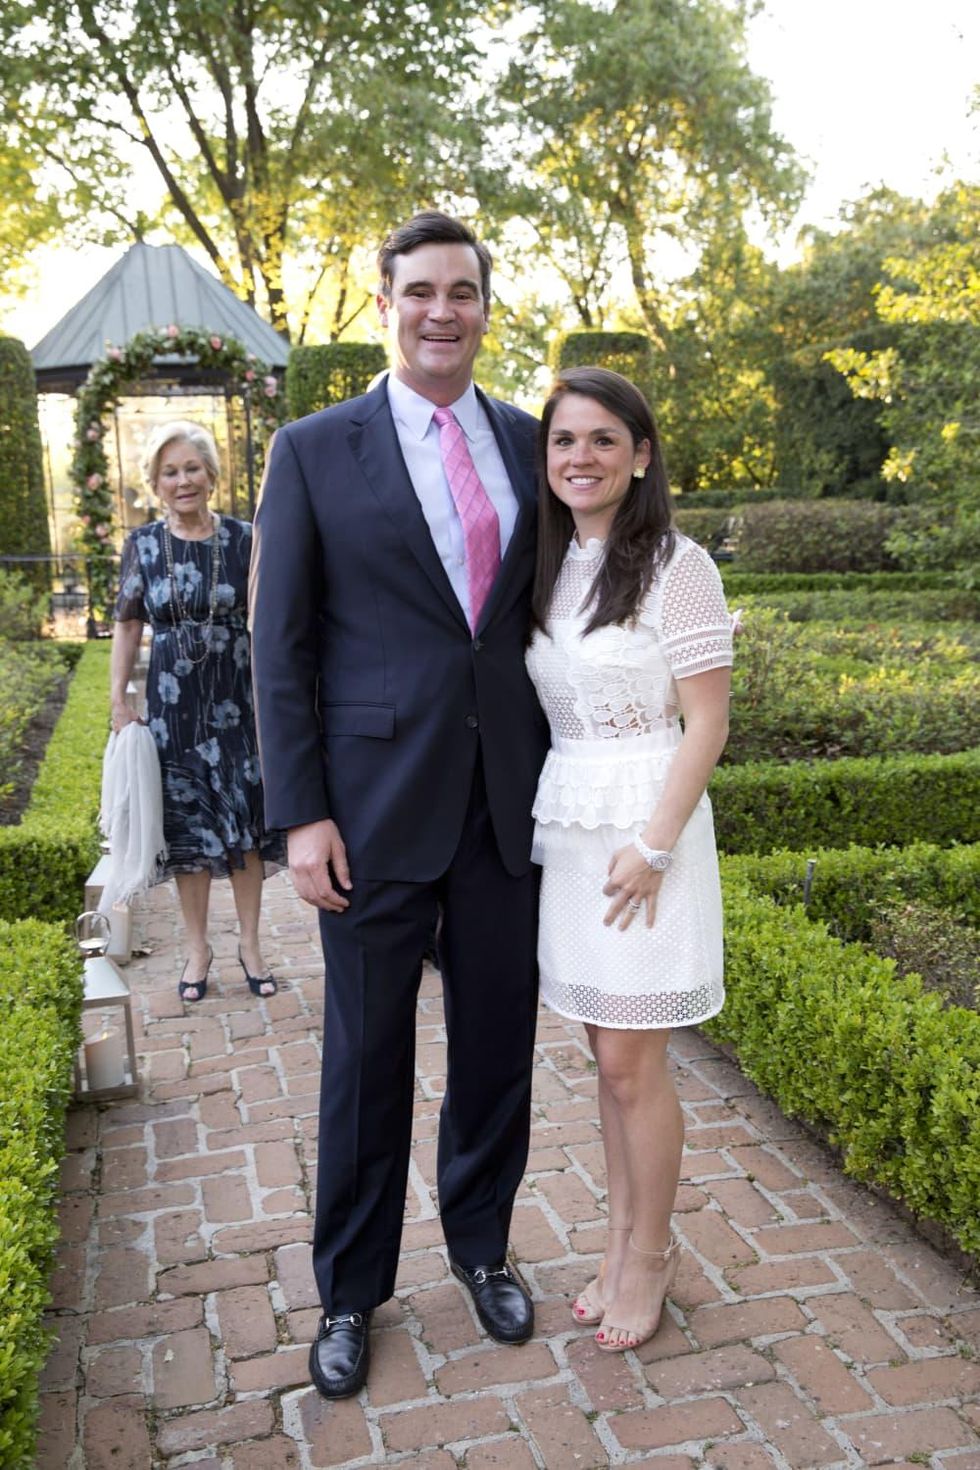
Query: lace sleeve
{"x": 694, "y": 620}
{"x": 130, "y": 602}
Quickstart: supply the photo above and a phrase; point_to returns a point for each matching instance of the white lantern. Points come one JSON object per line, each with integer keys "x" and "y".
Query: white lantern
{"x": 109, "y": 1052}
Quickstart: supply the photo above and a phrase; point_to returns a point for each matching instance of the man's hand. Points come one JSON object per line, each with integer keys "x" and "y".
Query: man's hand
{"x": 314, "y": 850}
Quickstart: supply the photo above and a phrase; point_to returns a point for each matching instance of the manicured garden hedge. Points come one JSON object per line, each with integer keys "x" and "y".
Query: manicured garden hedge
{"x": 629, "y": 353}
{"x": 738, "y": 582}
{"x": 23, "y": 506}
{"x": 45, "y": 860}
{"x": 330, "y": 372}
{"x": 848, "y": 884}
{"x": 816, "y": 536}
{"x": 857, "y": 605}
{"x": 40, "y": 1008}
{"x": 703, "y": 526}
{"x": 895, "y": 800}
{"x": 832, "y": 1033}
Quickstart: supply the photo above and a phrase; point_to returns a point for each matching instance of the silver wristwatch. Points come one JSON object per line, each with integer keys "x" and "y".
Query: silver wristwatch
{"x": 655, "y": 857}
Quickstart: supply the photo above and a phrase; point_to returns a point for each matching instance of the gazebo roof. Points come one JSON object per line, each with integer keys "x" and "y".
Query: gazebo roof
{"x": 151, "y": 286}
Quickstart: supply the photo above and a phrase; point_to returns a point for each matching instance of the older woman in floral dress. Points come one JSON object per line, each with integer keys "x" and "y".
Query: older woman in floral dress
{"x": 187, "y": 575}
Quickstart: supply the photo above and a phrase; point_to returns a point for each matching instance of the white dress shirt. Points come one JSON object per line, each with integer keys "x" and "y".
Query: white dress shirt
{"x": 419, "y": 440}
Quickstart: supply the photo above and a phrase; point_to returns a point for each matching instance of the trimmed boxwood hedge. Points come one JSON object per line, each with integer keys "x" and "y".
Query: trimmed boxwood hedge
{"x": 836, "y": 1037}
{"x": 40, "y": 1009}
{"x": 329, "y": 373}
{"x": 848, "y": 884}
{"x": 894, "y": 800}
{"x": 703, "y": 526}
{"x": 816, "y": 536}
{"x": 23, "y": 505}
{"x": 45, "y": 860}
{"x": 629, "y": 353}
{"x": 855, "y": 606}
{"x": 738, "y": 582}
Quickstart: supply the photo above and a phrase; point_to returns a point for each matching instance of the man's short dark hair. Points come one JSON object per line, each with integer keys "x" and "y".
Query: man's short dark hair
{"x": 430, "y": 227}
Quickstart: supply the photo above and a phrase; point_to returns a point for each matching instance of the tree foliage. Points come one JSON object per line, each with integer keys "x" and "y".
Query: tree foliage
{"x": 630, "y": 125}
{"x": 927, "y": 378}
{"x": 716, "y": 401}
{"x": 286, "y": 132}
{"x": 825, "y": 438}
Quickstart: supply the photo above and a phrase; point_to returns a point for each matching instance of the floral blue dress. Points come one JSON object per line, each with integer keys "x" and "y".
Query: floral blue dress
{"x": 199, "y": 695}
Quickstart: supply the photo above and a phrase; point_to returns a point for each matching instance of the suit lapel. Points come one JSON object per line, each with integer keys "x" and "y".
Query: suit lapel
{"x": 374, "y": 443}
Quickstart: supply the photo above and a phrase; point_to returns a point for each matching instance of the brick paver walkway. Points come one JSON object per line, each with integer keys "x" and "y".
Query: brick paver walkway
{"x": 810, "y": 1326}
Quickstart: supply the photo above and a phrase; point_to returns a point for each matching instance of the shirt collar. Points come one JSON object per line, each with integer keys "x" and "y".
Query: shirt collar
{"x": 414, "y": 412}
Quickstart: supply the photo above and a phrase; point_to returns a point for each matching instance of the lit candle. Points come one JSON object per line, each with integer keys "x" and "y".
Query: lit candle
{"x": 104, "y": 1060}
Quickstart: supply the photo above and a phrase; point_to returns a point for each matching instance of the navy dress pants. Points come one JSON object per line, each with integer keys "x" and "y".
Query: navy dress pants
{"x": 373, "y": 955}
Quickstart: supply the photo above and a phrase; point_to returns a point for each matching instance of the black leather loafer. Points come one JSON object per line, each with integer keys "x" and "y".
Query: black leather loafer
{"x": 502, "y": 1304}
{"x": 340, "y": 1354}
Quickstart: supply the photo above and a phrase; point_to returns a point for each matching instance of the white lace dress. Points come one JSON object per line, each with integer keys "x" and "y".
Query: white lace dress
{"x": 611, "y": 702}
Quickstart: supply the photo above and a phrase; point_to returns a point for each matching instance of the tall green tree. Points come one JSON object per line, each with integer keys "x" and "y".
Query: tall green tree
{"x": 826, "y": 440}
{"x": 283, "y": 134}
{"x": 926, "y": 380}
{"x": 716, "y": 401}
{"x": 629, "y": 125}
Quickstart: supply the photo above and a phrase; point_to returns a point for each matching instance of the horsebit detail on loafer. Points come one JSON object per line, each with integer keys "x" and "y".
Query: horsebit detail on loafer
{"x": 356, "y": 1319}
{"x": 480, "y": 1276}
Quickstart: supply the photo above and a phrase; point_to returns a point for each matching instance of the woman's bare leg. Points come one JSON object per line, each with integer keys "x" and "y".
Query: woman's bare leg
{"x": 246, "y": 884}
{"x": 647, "y": 1140}
{"x": 194, "y": 892}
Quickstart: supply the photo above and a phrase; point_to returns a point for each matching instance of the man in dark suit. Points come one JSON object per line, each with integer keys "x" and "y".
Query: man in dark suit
{"x": 401, "y": 743}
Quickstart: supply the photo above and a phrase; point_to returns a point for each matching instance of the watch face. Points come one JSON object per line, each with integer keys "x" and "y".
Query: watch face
{"x": 661, "y": 862}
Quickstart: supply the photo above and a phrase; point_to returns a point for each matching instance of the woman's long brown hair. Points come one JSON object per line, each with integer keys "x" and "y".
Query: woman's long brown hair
{"x": 641, "y": 538}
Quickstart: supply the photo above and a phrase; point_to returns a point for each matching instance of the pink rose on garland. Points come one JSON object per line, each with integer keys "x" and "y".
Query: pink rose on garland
{"x": 249, "y": 376}
{"x": 102, "y": 530}
{"x": 93, "y": 482}
{"x": 92, "y": 434}
{"x": 215, "y": 343}
{"x": 114, "y": 353}
{"x": 173, "y": 330}
{"x": 270, "y": 387}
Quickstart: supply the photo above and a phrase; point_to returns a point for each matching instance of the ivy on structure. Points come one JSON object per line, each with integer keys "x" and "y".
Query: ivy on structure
{"x": 106, "y": 383}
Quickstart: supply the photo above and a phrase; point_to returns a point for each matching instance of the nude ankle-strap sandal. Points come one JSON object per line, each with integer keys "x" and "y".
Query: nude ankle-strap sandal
{"x": 637, "y": 1333}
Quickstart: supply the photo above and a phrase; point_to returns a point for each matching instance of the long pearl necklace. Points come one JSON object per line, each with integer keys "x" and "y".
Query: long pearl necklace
{"x": 188, "y": 642}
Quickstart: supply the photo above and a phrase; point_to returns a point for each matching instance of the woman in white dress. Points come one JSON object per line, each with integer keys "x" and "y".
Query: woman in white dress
{"x": 631, "y": 636}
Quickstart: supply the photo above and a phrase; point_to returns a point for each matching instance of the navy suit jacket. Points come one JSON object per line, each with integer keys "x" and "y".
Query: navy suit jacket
{"x": 373, "y": 697}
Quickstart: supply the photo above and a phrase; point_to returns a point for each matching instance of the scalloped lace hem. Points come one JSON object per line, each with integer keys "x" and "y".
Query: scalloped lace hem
{"x": 645, "y": 1013}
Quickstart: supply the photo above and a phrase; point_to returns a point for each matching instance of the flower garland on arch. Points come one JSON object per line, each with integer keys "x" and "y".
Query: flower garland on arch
{"x": 105, "y": 385}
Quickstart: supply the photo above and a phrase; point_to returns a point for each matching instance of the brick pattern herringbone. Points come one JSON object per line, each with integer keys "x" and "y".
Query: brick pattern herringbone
{"x": 810, "y": 1325}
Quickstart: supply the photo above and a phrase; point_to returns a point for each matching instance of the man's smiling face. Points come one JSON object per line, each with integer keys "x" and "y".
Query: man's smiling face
{"x": 437, "y": 317}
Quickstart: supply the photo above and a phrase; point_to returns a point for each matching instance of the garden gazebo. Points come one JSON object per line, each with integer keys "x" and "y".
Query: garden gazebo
{"x": 150, "y": 286}
{"x": 153, "y": 286}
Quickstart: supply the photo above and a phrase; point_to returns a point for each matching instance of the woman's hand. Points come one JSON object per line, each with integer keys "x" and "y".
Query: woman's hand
{"x": 122, "y": 715}
{"x": 633, "y": 886}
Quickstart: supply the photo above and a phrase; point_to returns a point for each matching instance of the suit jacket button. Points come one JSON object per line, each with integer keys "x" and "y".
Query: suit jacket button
{"x": 472, "y": 721}
{"x": 477, "y": 644}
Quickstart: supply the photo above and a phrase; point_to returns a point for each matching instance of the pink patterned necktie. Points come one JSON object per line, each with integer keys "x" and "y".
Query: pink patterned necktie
{"x": 481, "y": 527}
